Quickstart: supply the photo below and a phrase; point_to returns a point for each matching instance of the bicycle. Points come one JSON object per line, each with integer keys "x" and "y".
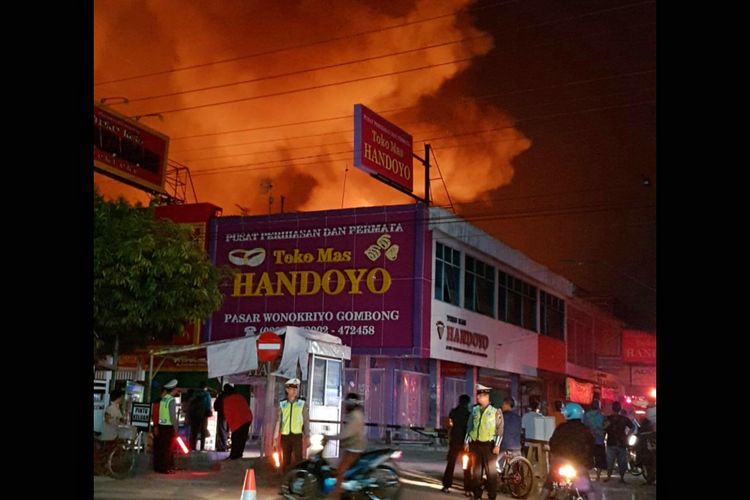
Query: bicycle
{"x": 117, "y": 458}
{"x": 516, "y": 476}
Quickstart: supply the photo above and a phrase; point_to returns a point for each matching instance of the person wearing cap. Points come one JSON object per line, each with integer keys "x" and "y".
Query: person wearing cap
{"x": 292, "y": 423}
{"x": 166, "y": 430}
{"x": 483, "y": 440}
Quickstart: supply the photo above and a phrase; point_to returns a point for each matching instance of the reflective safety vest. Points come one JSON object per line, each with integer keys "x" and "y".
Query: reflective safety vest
{"x": 164, "y": 417}
{"x": 291, "y": 416}
{"x": 483, "y": 423}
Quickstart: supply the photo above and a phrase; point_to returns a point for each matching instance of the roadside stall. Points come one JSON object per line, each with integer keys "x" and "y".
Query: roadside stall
{"x": 314, "y": 357}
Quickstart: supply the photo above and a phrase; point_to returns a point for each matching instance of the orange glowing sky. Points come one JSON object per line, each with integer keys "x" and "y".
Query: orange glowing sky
{"x": 306, "y": 163}
{"x": 519, "y": 101}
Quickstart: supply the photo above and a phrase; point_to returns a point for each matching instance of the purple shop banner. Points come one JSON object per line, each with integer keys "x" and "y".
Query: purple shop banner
{"x": 349, "y": 273}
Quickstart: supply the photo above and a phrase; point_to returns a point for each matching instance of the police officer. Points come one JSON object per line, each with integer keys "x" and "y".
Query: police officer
{"x": 483, "y": 440}
{"x": 166, "y": 431}
{"x": 293, "y": 424}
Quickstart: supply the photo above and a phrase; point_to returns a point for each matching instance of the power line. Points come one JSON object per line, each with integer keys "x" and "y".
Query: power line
{"x": 288, "y": 139}
{"x": 349, "y": 151}
{"x": 299, "y": 46}
{"x": 342, "y": 82}
{"x": 384, "y": 112}
{"x": 310, "y": 70}
{"x": 314, "y": 87}
{"x": 351, "y": 62}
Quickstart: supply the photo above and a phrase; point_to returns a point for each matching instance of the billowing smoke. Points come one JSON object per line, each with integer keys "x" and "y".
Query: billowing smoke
{"x": 301, "y": 140}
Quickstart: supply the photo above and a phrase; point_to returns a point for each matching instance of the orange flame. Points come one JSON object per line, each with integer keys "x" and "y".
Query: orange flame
{"x": 302, "y": 140}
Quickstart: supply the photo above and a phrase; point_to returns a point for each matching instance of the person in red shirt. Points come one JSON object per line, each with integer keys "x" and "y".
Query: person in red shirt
{"x": 239, "y": 417}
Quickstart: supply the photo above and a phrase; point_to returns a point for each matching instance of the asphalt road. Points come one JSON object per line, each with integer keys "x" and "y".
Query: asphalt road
{"x": 421, "y": 468}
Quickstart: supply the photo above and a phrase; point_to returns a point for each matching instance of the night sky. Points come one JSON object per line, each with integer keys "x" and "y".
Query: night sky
{"x": 541, "y": 114}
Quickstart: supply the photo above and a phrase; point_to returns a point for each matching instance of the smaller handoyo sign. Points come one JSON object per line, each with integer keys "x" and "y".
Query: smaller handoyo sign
{"x": 382, "y": 149}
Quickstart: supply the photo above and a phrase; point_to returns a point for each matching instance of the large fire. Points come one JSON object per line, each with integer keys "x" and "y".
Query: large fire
{"x": 274, "y": 119}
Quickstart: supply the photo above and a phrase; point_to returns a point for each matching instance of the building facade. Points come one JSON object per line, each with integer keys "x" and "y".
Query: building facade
{"x": 430, "y": 305}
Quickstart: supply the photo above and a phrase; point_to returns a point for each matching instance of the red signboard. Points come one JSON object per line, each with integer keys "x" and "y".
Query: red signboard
{"x": 382, "y": 149}
{"x": 269, "y": 347}
{"x": 128, "y": 150}
{"x": 579, "y": 392}
{"x": 638, "y": 347}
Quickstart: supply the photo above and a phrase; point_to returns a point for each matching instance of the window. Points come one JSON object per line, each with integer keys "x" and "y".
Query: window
{"x": 479, "y": 287}
{"x": 447, "y": 274}
{"x": 516, "y": 301}
{"x": 326, "y": 390}
{"x": 552, "y": 315}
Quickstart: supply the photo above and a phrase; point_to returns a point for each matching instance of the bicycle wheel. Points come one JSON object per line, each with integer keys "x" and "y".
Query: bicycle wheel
{"x": 520, "y": 478}
{"x": 121, "y": 461}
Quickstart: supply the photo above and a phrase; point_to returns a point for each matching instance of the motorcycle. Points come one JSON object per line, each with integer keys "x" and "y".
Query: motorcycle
{"x": 632, "y": 455}
{"x": 373, "y": 476}
{"x": 642, "y": 455}
{"x": 565, "y": 482}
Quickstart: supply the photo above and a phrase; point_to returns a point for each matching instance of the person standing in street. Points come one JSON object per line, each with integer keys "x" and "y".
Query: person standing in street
{"x": 557, "y": 413}
{"x": 199, "y": 409}
{"x": 166, "y": 430}
{"x": 615, "y": 426}
{"x": 483, "y": 440}
{"x": 292, "y": 424}
{"x": 458, "y": 422}
{"x": 511, "y": 428}
{"x": 239, "y": 417}
{"x": 594, "y": 420}
{"x": 221, "y": 421}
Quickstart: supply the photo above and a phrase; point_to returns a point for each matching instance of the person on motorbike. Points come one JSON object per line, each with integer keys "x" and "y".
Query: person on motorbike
{"x": 352, "y": 437}
{"x": 571, "y": 442}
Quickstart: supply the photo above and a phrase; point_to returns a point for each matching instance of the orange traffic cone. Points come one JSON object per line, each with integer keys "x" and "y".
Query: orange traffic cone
{"x": 248, "y": 491}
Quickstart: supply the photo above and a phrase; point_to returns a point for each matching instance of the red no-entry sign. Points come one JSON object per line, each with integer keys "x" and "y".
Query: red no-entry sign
{"x": 269, "y": 347}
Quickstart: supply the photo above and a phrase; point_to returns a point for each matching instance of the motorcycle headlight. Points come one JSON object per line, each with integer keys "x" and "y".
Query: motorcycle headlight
{"x": 567, "y": 471}
{"x": 632, "y": 439}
